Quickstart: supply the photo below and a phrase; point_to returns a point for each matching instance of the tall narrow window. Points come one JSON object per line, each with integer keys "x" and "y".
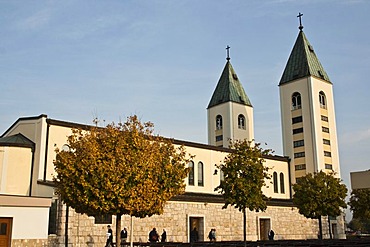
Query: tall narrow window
{"x": 296, "y": 101}
{"x": 322, "y": 100}
{"x": 218, "y": 122}
{"x": 191, "y": 173}
{"x": 282, "y": 187}
{"x": 222, "y": 176}
{"x": 241, "y": 121}
{"x": 275, "y": 180}
{"x": 200, "y": 174}
{"x": 53, "y": 217}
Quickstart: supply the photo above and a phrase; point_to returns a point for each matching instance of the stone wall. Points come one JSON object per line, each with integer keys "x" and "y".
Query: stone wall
{"x": 30, "y": 243}
{"x": 285, "y": 221}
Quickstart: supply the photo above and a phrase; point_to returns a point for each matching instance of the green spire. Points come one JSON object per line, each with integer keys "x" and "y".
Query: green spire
{"x": 229, "y": 88}
{"x": 303, "y": 62}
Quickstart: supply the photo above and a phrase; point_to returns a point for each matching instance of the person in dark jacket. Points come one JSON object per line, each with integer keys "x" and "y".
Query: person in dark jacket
{"x": 153, "y": 236}
{"x": 109, "y": 237}
{"x": 124, "y": 236}
{"x": 271, "y": 234}
{"x": 164, "y": 236}
{"x": 194, "y": 235}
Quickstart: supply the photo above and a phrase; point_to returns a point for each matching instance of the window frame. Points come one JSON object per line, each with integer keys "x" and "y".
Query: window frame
{"x": 282, "y": 185}
{"x": 241, "y": 122}
{"x": 275, "y": 182}
{"x": 297, "y": 130}
{"x": 322, "y": 100}
{"x": 191, "y": 175}
{"x": 299, "y": 143}
{"x": 296, "y": 101}
{"x": 299, "y": 155}
{"x": 298, "y": 119}
{"x": 219, "y": 122}
{"x": 200, "y": 173}
{"x": 300, "y": 167}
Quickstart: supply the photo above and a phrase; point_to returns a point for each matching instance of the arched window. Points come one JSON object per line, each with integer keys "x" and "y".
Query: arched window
{"x": 282, "y": 187}
{"x": 218, "y": 122}
{"x": 191, "y": 173}
{"x": 241, "y": 121}
{"x": 296, "y": 101}
{"x": 275, "y": 181}
{"x": 322, "y": 99}
{"x": 200, "y": 174}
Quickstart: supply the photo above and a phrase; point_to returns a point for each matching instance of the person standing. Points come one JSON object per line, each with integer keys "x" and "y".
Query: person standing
{"x": 210, "y": 235}
{"x": 271, "y": 234}
{"x": 194, "y": 235}
{"x": 153, "y": 236}
{"x": 213, "y": 234}
{"x": 109, "y": 237}
{"x": 164, "y": 236}
{"x": 123, "y": 236}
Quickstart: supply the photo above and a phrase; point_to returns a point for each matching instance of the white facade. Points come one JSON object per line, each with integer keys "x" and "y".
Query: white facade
{"x": 231, "y": 128}
{"x": 310, "y": 110}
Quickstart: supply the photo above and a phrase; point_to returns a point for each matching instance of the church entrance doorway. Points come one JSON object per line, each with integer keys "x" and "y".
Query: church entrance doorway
{"x": 197, "y": 223}
{"x": 265, "y": 226}
{"x": 5, "y": 231}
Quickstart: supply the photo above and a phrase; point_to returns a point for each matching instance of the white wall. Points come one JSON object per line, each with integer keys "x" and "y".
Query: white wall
{"x": 28, "y": 222}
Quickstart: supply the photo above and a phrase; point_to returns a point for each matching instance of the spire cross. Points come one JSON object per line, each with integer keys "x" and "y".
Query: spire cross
{"x": 300, "y": 20}
{"x": 228, "y": 53}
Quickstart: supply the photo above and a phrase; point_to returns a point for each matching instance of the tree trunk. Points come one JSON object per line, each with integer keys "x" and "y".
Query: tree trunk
{"x": 118, "y": 230}
{"x": 331, "y": 237}
{"x": 132, "y": 232}
{"x": 320, "y": 228}
{"x": 66, "y": 227}
{"x": 245, "y": 227}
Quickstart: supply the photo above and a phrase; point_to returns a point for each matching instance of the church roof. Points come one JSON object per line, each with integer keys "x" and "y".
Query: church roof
{"x": 17, "y": 140}
{"x": 229, "y": 89}
{"x": 303, "y": 62}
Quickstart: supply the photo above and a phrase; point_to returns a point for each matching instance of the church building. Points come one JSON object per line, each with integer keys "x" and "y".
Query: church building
{"x": 32, "y": 215}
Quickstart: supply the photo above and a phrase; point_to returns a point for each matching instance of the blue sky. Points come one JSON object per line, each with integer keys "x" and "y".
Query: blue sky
{"x": 161, "y": 60}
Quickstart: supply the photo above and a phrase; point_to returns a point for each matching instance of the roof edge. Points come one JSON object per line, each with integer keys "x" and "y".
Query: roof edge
{"x": 23, "y": 119}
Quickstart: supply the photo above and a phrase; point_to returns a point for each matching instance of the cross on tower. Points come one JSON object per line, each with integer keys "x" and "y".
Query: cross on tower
{"x": 300, "y": 20}
{"x": 228, "y": 53}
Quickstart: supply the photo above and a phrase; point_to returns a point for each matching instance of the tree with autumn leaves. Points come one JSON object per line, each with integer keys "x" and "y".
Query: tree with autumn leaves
{"x": 244, "y": 176}
{"x": 120, "y": 169}
{"x": 319, "y": 194}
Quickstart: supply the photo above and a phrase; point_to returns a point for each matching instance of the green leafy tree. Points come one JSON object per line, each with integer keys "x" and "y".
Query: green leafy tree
{"x": 120, "y": 169}
{"x": 244, "y": 175}
{"x": 359, "y": 203}
{"x": 360, "y": 224}
{"x": 318, "y": 195}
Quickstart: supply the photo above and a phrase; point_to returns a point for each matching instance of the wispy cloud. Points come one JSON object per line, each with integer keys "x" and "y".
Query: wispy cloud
{"x": 35, "y": 21}
{"x": 356, "y": 137}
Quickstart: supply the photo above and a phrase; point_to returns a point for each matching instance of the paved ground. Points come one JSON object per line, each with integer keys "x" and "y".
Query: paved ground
{"x": 356, "y": 242}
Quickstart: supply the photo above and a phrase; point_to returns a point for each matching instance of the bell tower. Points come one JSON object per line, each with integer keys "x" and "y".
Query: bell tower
{"x": 229, "y": 112}
{"x": 307, "y": 112}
